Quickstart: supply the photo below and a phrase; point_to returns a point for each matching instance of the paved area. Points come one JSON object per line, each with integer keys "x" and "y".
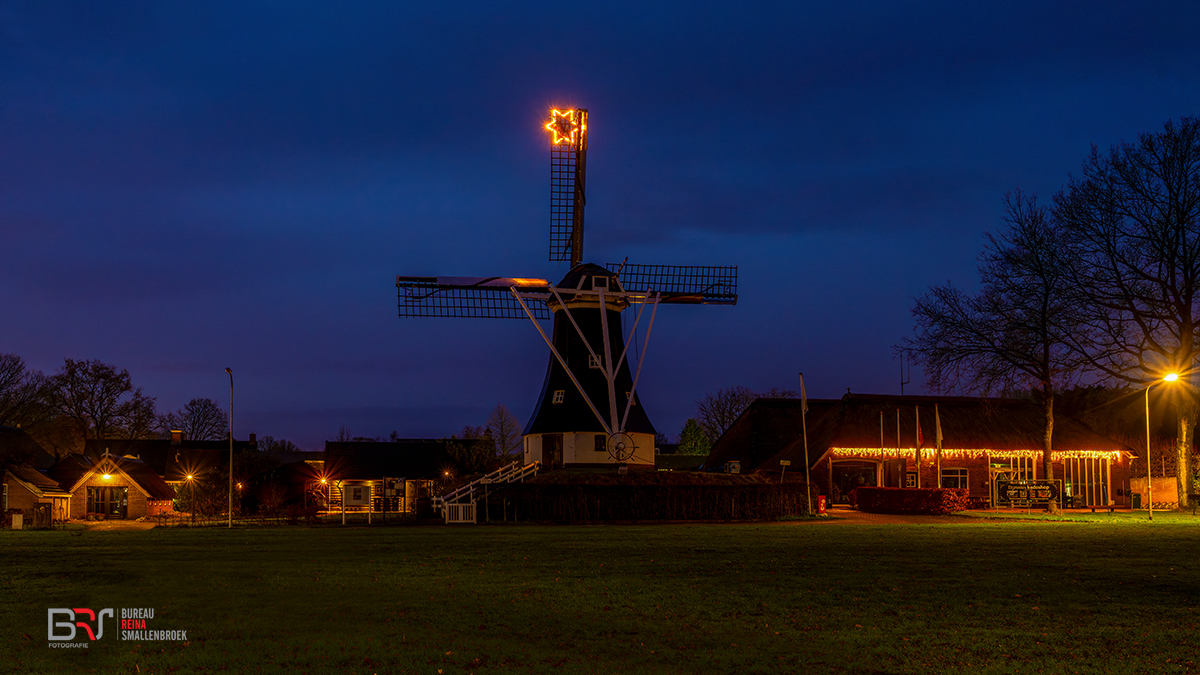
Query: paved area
{"x": 842, "y": 514}
{"x": 845, "y": 515}
{"x": 109, "y": 525}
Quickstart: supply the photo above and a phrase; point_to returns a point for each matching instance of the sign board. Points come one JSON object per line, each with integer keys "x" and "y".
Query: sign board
{"x": 357, "y": 495}
{"x": 785, "y": 462}
{"x": 1020, "y": 492}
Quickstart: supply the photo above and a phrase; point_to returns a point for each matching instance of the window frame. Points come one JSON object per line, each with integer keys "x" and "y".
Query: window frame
{"x": 960, "y": 474}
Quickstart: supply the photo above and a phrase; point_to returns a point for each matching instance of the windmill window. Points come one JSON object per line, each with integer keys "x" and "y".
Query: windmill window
{"x": 593, "y": 361}
{"x": 601, "y": 443}
{"x": 600, "y": 283}
{"x": 559, "y": 394}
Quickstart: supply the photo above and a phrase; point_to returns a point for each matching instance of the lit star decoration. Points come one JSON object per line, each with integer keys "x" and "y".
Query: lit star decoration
{"x": 562, "y": 124}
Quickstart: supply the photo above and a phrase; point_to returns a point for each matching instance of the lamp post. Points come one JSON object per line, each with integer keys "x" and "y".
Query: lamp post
{"x": 227, "y": 370}
{"x": 192, "y": 498}
{"x": 1149, "y": 480}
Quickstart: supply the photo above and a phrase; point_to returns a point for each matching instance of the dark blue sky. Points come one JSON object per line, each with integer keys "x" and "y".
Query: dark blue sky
{"x": 186, "y": 186}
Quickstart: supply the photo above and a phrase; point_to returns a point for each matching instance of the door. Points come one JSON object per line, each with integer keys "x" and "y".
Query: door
{"x": 552, "y": 450}
{"x": 848, "y": 475}
{"x": 112, "y": 502}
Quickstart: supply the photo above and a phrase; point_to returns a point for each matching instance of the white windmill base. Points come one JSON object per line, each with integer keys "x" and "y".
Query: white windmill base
{"x": 579, "y": 450}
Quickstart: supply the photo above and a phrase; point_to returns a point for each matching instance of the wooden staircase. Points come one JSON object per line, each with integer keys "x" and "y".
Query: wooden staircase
{"x": 459, "y": 506}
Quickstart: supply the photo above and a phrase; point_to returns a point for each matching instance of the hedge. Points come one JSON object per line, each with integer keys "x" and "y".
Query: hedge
{"x": 911, "y": 501}
{"x": 562, "y": 502}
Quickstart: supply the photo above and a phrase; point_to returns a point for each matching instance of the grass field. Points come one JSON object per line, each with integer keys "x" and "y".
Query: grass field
{"x": 812, "y": 597}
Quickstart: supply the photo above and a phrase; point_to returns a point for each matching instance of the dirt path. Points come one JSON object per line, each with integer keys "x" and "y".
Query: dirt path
{"x": 113, "y": 525}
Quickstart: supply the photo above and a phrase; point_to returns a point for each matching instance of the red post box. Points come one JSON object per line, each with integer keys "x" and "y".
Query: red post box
{"x": 821, "y": 505}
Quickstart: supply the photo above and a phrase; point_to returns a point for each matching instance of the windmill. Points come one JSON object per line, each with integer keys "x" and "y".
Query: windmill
{"x": 589, "y": 412}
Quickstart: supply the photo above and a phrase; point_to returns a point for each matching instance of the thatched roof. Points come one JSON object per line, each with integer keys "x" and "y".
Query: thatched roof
{"x": 999, "y": 426}
{"x": 765, "y": 428}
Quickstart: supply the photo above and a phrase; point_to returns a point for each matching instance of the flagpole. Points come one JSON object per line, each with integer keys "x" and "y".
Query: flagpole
{"x": 937, "y": 424}
{"x": 804, "y": 432}
{"x": 918, "y": 413}
{"x": 903, "y": 479}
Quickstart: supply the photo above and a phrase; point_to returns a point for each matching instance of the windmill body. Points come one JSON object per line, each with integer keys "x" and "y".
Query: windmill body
{"x": 564, "y": 429}
{"x": 589, "y": 412}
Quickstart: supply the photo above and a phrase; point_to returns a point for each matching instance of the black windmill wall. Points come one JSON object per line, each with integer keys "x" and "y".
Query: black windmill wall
{"x": 573, "y": 414}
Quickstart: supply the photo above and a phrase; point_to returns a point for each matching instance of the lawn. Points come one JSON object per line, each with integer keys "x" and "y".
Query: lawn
{"x": 988, "y": 597}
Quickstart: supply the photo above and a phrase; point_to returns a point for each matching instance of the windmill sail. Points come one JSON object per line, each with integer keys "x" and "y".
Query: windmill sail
{"x": 568, "y": 172}
{"x": 468, "y": 297}
{"x": 680, "y": 284}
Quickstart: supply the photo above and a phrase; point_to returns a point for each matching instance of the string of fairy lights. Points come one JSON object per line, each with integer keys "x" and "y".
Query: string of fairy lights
{"x": 928, "y": 454}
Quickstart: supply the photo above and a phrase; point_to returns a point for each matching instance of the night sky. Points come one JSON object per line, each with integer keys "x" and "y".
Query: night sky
{"x": 186, "y": 186}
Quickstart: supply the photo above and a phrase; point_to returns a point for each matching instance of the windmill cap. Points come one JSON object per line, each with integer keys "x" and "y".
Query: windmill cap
{"x": 582, "y": 275}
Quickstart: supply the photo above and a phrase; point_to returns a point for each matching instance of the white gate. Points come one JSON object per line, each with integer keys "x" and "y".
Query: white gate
{"x": 460, "y": 513}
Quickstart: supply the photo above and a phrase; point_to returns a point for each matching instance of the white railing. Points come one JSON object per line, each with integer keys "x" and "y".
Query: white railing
{"x": 508, "y": 473}
{"x": 465, "y": 495}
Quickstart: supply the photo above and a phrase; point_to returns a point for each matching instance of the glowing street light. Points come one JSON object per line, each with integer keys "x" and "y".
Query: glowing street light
{"x": 1172, "y": 377}
{"x": 227, "y": 370}
{"x": 192, "y": 500}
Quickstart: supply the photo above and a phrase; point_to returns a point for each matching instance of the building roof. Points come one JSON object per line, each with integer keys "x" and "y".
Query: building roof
{"x": 372, "y": 460}
{"x": 72, "y": 470}
{"x": 15, "y": 443}
{"x": 998, "y": 426}
{"x": 37, "y": 482}
{"x": 677, "y": 462}
{"x": 765, "y": 428}
{"x": 170, "y": 460}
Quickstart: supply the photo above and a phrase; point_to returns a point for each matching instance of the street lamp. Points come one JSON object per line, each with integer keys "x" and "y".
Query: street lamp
{"x": 230, "y": 447}
{"x": 1172, "y": 377}
{"x": 192, "y": 499}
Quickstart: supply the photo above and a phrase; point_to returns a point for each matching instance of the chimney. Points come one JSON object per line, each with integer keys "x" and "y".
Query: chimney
{"x": 176, "y": 437}
{"x": 253, "y": 437}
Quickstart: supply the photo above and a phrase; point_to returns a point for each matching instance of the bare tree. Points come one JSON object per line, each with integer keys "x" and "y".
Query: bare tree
{"x": 506, "y": 431}
{"x": 1016, "y": 333}
{"x": 1133, "y": 219}
{"x": 272, "y": 444}
{"x": 717, "y": 411}
{"x": 100, "y": 401}
{"x": 23, "y": 393}
{"x": 469, "y": 431}
{"x": 202, "y": 419}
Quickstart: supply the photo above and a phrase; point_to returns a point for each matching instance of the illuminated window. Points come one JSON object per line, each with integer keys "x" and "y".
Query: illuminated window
{"x": 601, "y": 443}
{"x": 593, "y": 361}
{"x": 559, "y": 394}
{"x": 954, "y": 478}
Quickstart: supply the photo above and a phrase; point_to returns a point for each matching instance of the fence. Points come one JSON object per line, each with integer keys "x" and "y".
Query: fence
{"x": 559, "y": 502}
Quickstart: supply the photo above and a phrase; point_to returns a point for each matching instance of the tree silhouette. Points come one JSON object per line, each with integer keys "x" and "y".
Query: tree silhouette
{"x": 1132, "y": 218}
{"x": 1017, "y": 332}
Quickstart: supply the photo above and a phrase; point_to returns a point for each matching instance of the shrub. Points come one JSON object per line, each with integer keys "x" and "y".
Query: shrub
{"x": 910, "y": 501}
{"x": 309, "y": 513}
